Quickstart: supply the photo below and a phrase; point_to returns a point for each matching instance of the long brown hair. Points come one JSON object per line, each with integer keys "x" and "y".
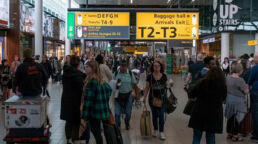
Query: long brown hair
{"x": 215, "y": 74}
{"x": 95, "y": 74}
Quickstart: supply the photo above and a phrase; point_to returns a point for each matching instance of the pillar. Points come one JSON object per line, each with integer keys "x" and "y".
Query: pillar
{"x": 67, "y": 41}
{"x": 194, "y": 50}
{"x": 38, "y": 28}
{"x": 256, "y": 38}
{"x": 224, "y": 45}
{"x": 82, "y": 50}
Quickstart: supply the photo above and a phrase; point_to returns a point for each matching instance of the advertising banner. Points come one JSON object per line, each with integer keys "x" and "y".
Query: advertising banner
{"x": 27, "y": 19}
{"x": 4, "y": 13}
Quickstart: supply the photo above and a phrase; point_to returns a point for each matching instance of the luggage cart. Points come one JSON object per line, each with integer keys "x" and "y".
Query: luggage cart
{"x": 26, "y": 120}
{"x": 43, "y": 139}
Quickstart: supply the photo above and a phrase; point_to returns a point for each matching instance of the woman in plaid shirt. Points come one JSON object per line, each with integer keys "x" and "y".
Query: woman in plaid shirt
{"x": 96, "y": 100}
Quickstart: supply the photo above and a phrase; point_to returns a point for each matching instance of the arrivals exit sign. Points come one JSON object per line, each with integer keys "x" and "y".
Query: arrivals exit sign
{"x": 252, "y": 42}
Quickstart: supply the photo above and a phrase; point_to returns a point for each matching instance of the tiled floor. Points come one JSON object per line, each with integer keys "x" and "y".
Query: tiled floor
{"x": 176, "y": 129}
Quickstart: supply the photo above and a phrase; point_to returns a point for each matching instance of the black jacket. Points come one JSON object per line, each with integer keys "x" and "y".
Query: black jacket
{"x": 5, "y": 75}
{"x": 72, "y": 94}
{"x": 207, "y": 114}
{"x": 47, "y": 66}
{"x": 30, "y": 78}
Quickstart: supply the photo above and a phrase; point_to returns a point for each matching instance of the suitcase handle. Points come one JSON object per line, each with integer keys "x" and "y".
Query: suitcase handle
{"x": 145, "y": 107}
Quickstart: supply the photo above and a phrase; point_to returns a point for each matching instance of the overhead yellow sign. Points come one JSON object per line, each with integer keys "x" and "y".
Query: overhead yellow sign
{"x": 133, "y": 49}
{"x": 252, "y": 42}
{"x": 139, "y": 53}
{"x": 172, "y": 25}
{"x": 102, "y": 19}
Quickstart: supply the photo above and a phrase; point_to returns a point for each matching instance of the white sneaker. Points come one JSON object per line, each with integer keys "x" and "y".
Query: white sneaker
{"x": 155, "y": 133}
{"x": 162, "y": 136}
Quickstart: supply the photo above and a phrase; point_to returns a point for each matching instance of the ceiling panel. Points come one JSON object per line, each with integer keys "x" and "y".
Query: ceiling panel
{"x": 124, "y": 2}
{"x": 146, "y": 2}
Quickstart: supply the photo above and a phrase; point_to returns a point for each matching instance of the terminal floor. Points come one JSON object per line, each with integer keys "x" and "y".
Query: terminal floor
{"x": 176, "y": 129}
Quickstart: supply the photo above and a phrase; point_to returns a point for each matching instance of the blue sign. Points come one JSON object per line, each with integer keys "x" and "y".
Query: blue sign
{"x": 102, "y": 32}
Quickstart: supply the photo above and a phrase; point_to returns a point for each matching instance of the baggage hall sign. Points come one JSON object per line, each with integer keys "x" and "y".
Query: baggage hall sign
{"x": 99, "y": 25}
{"x": 172, "y": 25}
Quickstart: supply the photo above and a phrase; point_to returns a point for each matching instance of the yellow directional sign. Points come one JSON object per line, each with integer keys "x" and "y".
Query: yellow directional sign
{"x": 252, "y": 42}
{"x": 172, "y": 25}
{"x": 139, "y": 53}
{"x": 102, "y": 19}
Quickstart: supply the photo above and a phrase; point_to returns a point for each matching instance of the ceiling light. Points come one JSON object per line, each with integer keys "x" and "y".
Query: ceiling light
{"x": 131, "y": 1}
{"x": 168, "y": 1}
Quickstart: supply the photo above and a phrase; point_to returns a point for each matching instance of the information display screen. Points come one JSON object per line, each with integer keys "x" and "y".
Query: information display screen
{"x": 99, "y": 25}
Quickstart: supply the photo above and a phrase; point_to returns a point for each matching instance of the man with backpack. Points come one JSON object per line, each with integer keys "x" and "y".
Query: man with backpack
{"x": 196, "y": 72}
{"x": 123, "y": 103}
{"x": 194, "y": 69}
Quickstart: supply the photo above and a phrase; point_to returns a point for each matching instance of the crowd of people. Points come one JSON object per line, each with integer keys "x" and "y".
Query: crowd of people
{"x": 233, "y": 84}
{"x": 217, "y": 90}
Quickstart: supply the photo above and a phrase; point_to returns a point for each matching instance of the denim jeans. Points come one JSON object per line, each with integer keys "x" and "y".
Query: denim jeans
{"x": 126, "y": 109}
{"x": 254, "y": 109}
{"x": 197, "y": 136}
{"x": 158, "y": 115}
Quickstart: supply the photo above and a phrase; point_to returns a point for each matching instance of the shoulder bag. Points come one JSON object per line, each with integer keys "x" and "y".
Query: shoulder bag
{"x": 156, "y": 102}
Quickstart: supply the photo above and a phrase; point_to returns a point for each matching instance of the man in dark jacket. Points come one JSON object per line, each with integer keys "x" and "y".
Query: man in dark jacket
{"x": 71, "y": 98}
{"x": 30, "y": 76}
{"x": 47, "y": 65}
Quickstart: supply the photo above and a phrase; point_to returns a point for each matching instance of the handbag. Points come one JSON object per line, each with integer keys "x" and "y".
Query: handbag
{"x": 156, "y": 102}
{"x": 145, "y": 122}
{"x": 171, "y": 102}
{"x": 189, "y": 106}
{"x": 111, "y": 119}
{"x": 83, "y": 126}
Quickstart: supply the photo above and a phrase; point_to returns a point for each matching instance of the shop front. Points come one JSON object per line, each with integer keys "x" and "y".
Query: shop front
{"x": 238, "y": 44}
{"x": 210, "y": 45}
{"x": 52, "y": 46}
{"x": 181, "y": 53}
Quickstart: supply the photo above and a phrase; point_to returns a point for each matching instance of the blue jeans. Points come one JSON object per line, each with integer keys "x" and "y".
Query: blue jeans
{"x": 126, "y": 109}
{"x": 158, "y": 114}
{"x": 254, "y": 109}
{"x": 197, "y": 136}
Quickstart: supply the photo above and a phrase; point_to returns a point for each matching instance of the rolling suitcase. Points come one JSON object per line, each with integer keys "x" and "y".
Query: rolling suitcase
{"x": 145, "y": 123}
{"x": 112, "y": 132}
{"x": 246, "y": 126}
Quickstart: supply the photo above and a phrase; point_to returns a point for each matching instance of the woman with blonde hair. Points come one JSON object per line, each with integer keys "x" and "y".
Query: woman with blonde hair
{"x": 96, "y": 100}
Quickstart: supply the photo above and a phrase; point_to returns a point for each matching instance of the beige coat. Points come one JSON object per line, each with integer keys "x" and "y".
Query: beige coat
{"x": 105, "y": 72}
